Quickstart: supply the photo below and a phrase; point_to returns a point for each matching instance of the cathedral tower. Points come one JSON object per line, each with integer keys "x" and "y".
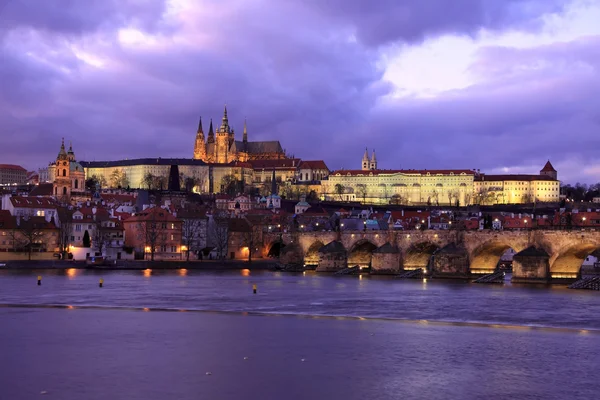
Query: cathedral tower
{"x": 223, "y": 139}
{"x": 373, "y": 163}
{"x": 200, "y": 145}
{"x": 62, "y": 179}
{"x": 365, "y": 161}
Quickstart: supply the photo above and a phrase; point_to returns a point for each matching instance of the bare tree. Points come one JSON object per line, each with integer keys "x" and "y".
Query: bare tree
{"x": 218, "y": 234}
{"x": 435, "y": 196}
{"x": 251, "y": 238}
{"x": 29, "y": 232}
{"x": 361, "y": 192}
{"x": 148, "y": 180}
{"x": 191, "y": 234}
{"x": 339, "y": 189}
{"x": 153, "y": 232}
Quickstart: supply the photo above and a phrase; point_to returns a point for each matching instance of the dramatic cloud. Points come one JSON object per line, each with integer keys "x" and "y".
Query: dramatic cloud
{"x": 500, "y": 85}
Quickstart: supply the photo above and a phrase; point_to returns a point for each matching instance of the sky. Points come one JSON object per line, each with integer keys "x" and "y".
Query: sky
{"x": 497, "y": 85}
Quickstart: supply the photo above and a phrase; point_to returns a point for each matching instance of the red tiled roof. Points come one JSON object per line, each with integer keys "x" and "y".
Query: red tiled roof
{"x": 316, "y": 164}
{"x": 358, "y": 172}
{"x": 289, "y": 163}
{"x": 13, "y": 167}
{"x": 32, "y": 202}
{"x": 153, "y": 213}
{"x": 515, "y": 177}
{"x": 548, "y": 167}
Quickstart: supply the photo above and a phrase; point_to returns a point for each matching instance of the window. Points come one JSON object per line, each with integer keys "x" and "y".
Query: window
{"x": 172, "y": 237}
{"x": 173, "y": 249}
{"x": 64, "y": 172}
{"x": 64, "y": 190}
{"x": 172, "y": 226}
{"x": 164, "y": 226}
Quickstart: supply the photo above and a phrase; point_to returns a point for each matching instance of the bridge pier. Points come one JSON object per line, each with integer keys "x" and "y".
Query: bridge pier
{"x": 386, "y": 260}
{"x": 333, "y": 257}
{"x": 451, "y": 261}
{"x": 531, "y": 265}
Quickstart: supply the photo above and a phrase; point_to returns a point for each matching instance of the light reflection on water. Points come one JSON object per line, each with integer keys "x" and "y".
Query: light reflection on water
{"x": 308, "y": 294}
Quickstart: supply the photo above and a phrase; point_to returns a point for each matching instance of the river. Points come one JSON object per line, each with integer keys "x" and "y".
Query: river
{"x": 189, "y": 334}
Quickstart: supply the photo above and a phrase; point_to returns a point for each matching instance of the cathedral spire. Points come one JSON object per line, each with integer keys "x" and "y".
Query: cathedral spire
{"x": 245, "y": 132}
{"x": 211, "y": 133}
{"x": 273, "y": 184}
{"x": 200, "y": 130}
{"x": 225, "y": 122}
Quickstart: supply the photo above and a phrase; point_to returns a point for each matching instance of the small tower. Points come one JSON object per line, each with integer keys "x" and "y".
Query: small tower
{"x": 200, "y": 145}
{"x": 373, "y": 164}
{"x": 365, "y": 161}
{"x": 549, "y": 170}
{"x": 71, "y": 153}
{"x": 245, "y": 138}
{"x": 62, "y": 179}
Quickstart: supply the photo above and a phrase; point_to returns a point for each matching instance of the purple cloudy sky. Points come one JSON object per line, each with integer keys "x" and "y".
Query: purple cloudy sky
{"x": 500, "y": 85}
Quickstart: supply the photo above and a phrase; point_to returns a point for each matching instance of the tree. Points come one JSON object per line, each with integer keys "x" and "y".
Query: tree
{"x": 149, "y": 180}
{"x": 251, "y": 239}
{"x": 231, "y": 185}
{"x": 397, "y": 200}
{"x": 312, "y": 197}
{"x": 29, "y": 233}
{"x": 339, "y": 190}
{"x": 218, "y": 234}
{"x": 435, "y": 197}
{"x": 119, "y": 179}
{"x": 101, "y": 236}
{"x": 91, "y": 182}
{"x": 152, "y": 230}
{"x": 191, "y": 233}
{"x": 65, "y": 229}
{"x": 361, "y": 192}
{"x": 86, "y": 239}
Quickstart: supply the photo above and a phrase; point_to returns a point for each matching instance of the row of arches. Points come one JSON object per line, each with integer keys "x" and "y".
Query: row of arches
{"x": 486, "y": 258}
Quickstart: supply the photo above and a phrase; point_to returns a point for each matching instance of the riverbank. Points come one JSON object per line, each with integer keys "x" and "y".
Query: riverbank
{"x": 209, "y": 265}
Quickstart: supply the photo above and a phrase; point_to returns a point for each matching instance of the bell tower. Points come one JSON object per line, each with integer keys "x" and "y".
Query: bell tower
{"x": 365, "y": 161}
{"x": 373, "y": 163}
{"x": 222, "y": 140}
{"x": 62, "y": 179}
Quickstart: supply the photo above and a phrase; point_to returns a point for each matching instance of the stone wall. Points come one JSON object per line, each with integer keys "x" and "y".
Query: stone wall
{"x": 385, "y": 263}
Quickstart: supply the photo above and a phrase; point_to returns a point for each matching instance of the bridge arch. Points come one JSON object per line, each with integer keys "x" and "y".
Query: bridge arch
{"x": 311, "y": 258}
{"x": 419, "y": 254}
{"x": 274, "y": 249}
{"x": 486, "y": 258}
{"x": 568, "y": 261}
{"x": 361, "y": 253}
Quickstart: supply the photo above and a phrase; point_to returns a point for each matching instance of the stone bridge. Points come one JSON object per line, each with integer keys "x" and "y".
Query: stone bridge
{"x": 477, "y": 251}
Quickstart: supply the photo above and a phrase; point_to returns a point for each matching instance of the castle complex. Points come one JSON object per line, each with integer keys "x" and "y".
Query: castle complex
{"x": 371, "y": 185}
{"x": 221, "y": 147}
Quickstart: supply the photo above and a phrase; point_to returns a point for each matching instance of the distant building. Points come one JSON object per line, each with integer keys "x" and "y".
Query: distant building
{"x": 312, "y": 171}
{"x": 154, "y": 233}
{"x": 12, "y": 174}
{"x": 222, "y": 148}
{"x": 66, "y": 175}
{"x": 518, "y": 189}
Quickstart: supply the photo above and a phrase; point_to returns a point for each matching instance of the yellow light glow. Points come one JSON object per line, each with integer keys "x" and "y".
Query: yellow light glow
{"x": 146, "y": 309}
{"x": 147, "y": 249}
{"x": 70, "y": 307}
{"x": 183, "y": 272}
{"x": 245, "y": 272}
{"x": 147, "y": 272}
{"x": 71, "y": 273}
{"x": 184, "y": 248}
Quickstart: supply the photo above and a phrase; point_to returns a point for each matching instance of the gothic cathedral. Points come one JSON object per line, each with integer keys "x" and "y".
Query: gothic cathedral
{"x": 221, "y": 147}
